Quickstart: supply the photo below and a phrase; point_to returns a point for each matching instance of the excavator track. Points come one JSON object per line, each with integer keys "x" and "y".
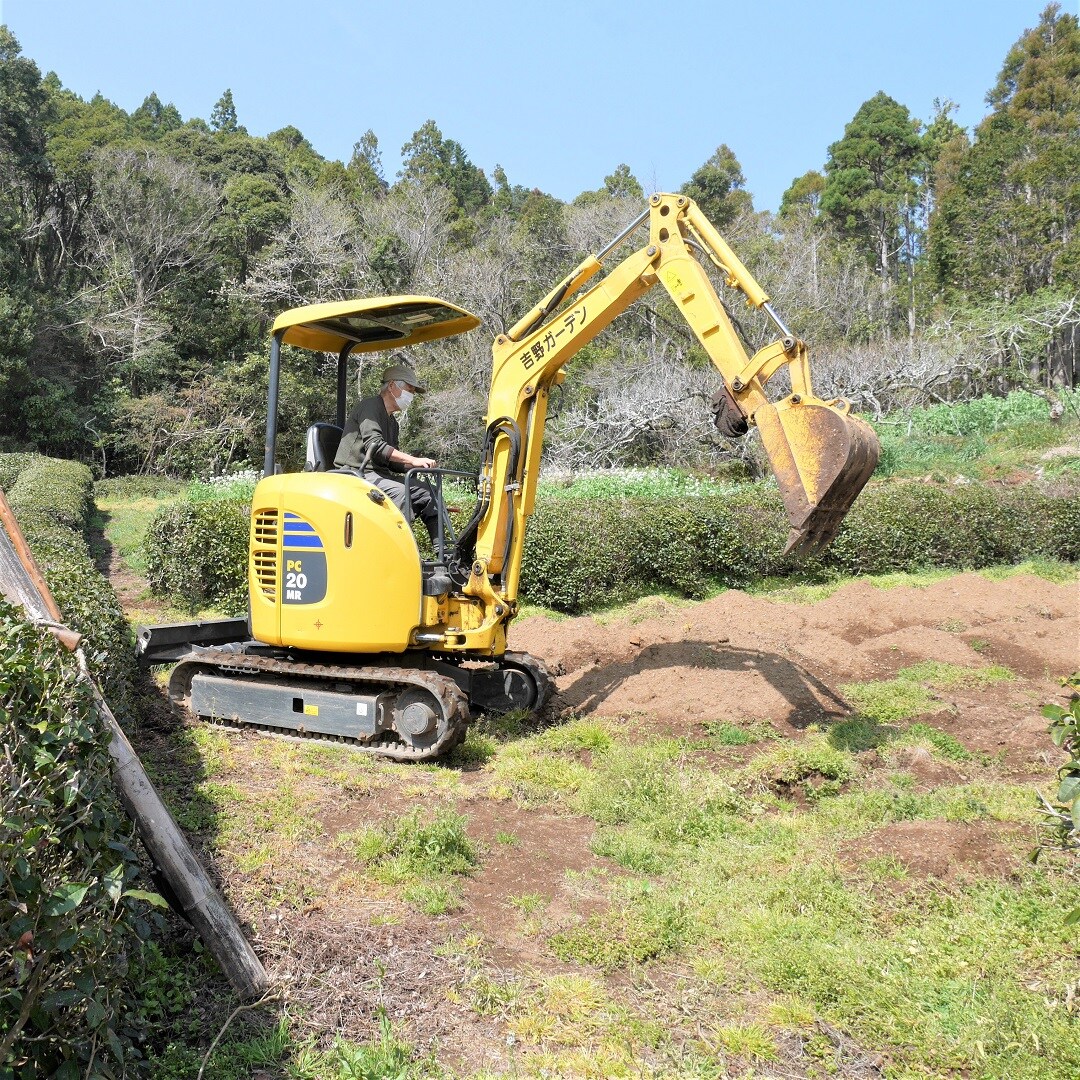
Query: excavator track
{"x": 406, "y": 727}
{"x": 538, "y": 672}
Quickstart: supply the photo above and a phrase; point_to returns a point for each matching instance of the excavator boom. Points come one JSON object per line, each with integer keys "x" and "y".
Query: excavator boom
{"x": 821, "y": 455}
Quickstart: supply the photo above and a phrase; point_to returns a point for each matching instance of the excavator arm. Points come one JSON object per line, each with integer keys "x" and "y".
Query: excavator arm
{"x": 822, "y": 456}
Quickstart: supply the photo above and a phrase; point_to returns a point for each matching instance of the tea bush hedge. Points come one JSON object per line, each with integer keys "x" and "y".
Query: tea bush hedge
{"x": 583, "y": 553}
{"x": 70, "y": 919}
{"x": 197, "y": 552}
{"x": 694, "y": 545}
{"x": 53, "y": 502}
{"x": 61, "y": 490}
{"x": 72, "y": 923}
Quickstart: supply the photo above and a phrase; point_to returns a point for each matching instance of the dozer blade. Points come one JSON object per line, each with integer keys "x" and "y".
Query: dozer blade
{"x": 822, "y": 457}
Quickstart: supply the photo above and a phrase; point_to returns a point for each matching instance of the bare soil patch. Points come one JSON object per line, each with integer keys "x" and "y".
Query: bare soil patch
{"x": 946, "y": 851}
{"x": 740, "y": 658}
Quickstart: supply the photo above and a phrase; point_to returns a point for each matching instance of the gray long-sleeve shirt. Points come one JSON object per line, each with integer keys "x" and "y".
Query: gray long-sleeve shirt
{"x": 370, "y": 434}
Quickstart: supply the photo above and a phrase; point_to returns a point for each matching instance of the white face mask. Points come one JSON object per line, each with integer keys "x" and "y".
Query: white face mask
{"x": 404, "y": 397}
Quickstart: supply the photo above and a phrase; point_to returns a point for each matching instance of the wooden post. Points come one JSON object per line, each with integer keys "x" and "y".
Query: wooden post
{"x": 202, "y": 903}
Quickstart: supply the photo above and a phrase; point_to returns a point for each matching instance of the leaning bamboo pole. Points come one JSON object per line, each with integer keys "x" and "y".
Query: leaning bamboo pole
{"x": 22, "y": 582}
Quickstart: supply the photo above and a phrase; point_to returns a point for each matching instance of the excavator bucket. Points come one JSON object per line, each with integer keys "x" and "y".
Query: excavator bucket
{"x": 822, "y": 457}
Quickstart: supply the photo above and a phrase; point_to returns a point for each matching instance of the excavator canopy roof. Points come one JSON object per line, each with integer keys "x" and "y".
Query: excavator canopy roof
{"x": 381, "y": 322}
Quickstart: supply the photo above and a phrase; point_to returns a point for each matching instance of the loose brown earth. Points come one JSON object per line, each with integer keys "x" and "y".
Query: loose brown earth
{"x": 346, "y": 950}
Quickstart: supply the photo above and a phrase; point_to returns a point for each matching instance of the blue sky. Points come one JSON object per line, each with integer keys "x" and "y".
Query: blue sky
{"x": 558, "y": 93}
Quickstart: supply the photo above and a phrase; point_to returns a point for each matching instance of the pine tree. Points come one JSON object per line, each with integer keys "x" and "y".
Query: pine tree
{"x": 366, "y": 164}
{"x": 871, "y": 188}
{"x": 223, "y": 118}
{"x": 428, "y": 158}
{"x": 719, "y": 188}
{"x": 623, "y": 184}
{"x": 1007, "y": 221}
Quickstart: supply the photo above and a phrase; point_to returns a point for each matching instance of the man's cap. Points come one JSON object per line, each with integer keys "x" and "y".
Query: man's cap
{"x": 403, "y": 373}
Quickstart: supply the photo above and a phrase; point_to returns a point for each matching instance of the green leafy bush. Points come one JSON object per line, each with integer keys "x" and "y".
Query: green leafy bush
{"x": 63, "y": 490}
{"x": 198, "y": 552}
{"x": 909, "y": 526}
{"x": 52, "y": 500}
{"x": 129, "y": 488}
{"x": 11, "y": 465}
{"x": 587, "y": 553}
{"x": 71, "y": 922}
{"x": 89, "y": 606}
{"x": 583, "y": 554}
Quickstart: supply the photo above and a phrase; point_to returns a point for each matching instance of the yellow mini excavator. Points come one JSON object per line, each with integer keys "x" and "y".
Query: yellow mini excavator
{"x": 353, "y": 636}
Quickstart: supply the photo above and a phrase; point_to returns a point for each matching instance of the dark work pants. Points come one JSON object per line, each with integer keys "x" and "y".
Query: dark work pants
{"x": 424, "y": 505}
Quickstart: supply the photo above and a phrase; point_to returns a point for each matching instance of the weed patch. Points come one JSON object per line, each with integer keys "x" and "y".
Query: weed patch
{"x": 724, "y": 733}
{"x": 861, "y": 733}
{"x": 648, "y": 926}
{"x": 531, "y": 777}
{"x": 943, "y": 676}
{"x": 411, "y": 848}
{"x": 814, "y": 767}
{"x": 889, "y": 701}
{"x": 944, "y": 744}
{"x": 886, "y": 702}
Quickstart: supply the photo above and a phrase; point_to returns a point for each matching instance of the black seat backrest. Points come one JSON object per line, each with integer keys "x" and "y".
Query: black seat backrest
{"x": 322, "y": 445}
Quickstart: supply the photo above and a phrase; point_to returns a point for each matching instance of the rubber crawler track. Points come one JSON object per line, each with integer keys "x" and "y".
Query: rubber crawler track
{"x": 452, "y": 700}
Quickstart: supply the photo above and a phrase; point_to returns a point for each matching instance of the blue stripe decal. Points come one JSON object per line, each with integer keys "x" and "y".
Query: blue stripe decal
{"x": 298, "y": 527}
{"x": 303, "y": 542}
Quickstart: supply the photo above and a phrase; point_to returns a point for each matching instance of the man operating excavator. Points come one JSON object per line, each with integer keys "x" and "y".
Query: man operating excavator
{"x": 369, "y": 445}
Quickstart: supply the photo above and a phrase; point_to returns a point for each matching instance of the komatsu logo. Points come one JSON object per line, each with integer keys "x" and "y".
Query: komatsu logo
{"x": 304, "y": 569}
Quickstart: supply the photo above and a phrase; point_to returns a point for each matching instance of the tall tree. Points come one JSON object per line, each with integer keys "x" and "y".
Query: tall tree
{"x": 302, "y": 160}
{"x": 40, "y": 367}
{"x": 871, "y": 183}
{"x": 803, "y": 196}
{"x": 623, "y": 184}
{"x": 1007, "y": 221}
{"x": 223, "y": 118}
{"x": 365, "y": 165}
{"x": 27, "y": 188}
{"x": 152, "y": 119}
{"x": 429, "y": 158}
{"x": 719, "y": 188}
{"x": 148, "y": 231}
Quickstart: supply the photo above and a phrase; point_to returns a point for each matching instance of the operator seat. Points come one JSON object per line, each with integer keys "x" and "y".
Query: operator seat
{"x": 322, "y": 445}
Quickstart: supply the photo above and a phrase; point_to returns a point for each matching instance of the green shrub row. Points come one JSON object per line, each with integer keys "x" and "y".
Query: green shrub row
{"x": 69, "y": 999}
{"x": 197, "y": 552}
{"x": 62, "y": 490}
{"x": 11, "y": 465}
{"x": 71, "y": 922}
{"x": 53, "y": 502}
{"x": 583, "y": 554}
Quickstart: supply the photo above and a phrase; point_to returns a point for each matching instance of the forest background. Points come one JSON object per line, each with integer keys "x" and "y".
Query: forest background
{"x": 143, "y": 258}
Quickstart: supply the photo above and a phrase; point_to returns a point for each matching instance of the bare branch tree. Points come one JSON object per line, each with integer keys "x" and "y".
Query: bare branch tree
{"x": 317, "y": 257}
{"x": 147, "y": 230}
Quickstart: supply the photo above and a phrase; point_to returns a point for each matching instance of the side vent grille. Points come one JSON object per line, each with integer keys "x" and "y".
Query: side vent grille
{"x": 264, "y": 552}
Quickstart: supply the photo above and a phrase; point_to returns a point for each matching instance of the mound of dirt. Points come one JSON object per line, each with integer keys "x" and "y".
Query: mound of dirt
{"x": 739, "y": 658}
{"x": 946, "y": 851}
